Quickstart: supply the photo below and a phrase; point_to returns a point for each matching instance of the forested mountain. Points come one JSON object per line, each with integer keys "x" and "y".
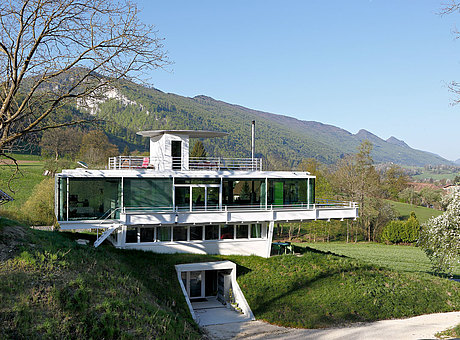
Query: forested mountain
{"x": 279, "y": 139}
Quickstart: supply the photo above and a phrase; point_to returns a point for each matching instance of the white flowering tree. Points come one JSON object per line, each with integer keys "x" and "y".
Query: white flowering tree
{"x": 440, "y": 237}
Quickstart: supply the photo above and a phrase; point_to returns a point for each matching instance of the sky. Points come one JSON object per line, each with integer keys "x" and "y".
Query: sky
{"x": 379, "y": 65}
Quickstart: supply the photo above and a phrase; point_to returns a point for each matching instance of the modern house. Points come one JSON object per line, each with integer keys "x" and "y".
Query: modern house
{"x": 169, "y": 202}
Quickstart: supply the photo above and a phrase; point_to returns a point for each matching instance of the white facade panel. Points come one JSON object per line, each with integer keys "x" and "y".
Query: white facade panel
{"x": 223, "y": 247}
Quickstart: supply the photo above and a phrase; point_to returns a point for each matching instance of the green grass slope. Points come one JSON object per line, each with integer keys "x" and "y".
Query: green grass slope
{"x": 395, "y": 257}
{"x": 322, "y": 290}
{"x": 30, "y": 174}
{"x": 423, "y": 214}
{"x": 52, "y": 287}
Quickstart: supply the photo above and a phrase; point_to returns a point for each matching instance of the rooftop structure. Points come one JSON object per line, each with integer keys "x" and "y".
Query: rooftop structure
{"x": 169, "y": 202}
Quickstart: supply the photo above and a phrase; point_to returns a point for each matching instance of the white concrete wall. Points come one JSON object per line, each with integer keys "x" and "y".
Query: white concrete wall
{"x": 239, "y": 216}
{"x": 223, "y": 247}
{"x": 157, "y": 152}
{"x": 160, "y": 151}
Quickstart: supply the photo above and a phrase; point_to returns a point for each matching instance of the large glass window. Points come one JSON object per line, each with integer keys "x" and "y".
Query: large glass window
{"x": 242, "y": 231}
{"x": 243, "y": 192}
{"x": 147, "y": 192}
{"x": 164, "y": 234}
{"x": 62, "y": 202}
{"x": 198, "y": 198}
{"x": 311, "y": 192}
{"x": 182, "y": 197}
{"x": 226, "y": 232}
{"x": 196, "y": 233}
{"x": 148, "y": 234}
{"x": 287, "y": 191}
{"x": 256, "y": 230}
{"x": 211, "y": 232}
{"x": 131, "y": 235}
{"x": 180, "y": 234}
{"x": 91, "y": 198}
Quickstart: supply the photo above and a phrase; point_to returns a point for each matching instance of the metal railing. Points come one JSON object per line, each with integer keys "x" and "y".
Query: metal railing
{"x": 177, "y": 163}
{"x": 258, "y": 207}
{"x": 128, "y": 162}
{"x": 220, "y": 163}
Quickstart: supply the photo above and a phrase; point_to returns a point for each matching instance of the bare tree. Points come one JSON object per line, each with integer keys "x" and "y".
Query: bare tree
{"x": 449, "y": 7}
{"x": 53, "y": 53}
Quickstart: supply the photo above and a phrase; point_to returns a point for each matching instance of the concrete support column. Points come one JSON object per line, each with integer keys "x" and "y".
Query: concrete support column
{"x": 271, "y": 225}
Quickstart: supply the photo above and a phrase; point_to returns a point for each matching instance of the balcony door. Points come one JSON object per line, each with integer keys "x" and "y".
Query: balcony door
{"x": 176, "y": 154}
{"x": 197, "y": 197}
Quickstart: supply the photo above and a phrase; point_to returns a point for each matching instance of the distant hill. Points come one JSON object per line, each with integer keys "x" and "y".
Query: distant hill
{"x": 280, "y": 139}
{"x": 457, "y": 161}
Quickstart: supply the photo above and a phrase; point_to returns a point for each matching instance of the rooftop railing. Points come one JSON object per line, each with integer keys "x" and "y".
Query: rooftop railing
{"x": 177, "y": 163}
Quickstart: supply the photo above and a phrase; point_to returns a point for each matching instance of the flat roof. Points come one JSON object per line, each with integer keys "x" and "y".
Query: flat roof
{"x": 141, "y": 173}
{"x": 189, "y": 133}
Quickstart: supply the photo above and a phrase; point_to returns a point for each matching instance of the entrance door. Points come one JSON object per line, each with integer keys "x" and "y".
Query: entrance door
{"x": 176, "y": 154}
{"x": 194, "y": 283}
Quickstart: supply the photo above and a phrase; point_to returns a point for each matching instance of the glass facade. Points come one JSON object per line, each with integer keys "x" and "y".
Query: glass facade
{"x": 242, "y": 231}
{"x": 256, "y": 230}
{"x": 180, "y": 233}
{"x": 96, "y": 198}
{"x": 291, "y": 191}
{"x": 131, "y": 235}
{"x": 91, "y": 198}
{"x": 163, "y": 234}
{"x": 62, "y": 202}
{"x": 149, "y": 234}
{"x": 211, "y": 232}
{"x": 147, "y": 192}
{"x": 243, "y": 192}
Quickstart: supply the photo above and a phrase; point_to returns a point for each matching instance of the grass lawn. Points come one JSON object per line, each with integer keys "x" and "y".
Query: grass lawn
{"x": 401, "y": 258}
{"x": 52, "y": 287}
{"x": 31, "y": 173}
{"x": 422, "y": 213}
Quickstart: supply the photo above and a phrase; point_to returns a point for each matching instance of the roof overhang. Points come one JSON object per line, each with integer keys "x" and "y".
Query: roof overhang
{"x": 189, "y": 133}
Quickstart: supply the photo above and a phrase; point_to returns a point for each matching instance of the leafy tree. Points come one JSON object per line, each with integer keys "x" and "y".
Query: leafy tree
{"x": 198, "y": 150}
{"x": 61, "y": 142}
{"x": 323, "y": 187}
{"x": 431, "y": 197}
{"x": 54, "y": 52}
{"x": 96, "y": 148}
{"x": 440, "y": 237}
{"x": 394, "y": 181}
{"x": 409, "y": 195}
{"x": 355, "y": 177}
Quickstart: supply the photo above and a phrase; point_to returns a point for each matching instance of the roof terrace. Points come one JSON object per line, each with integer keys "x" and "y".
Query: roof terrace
{"x": 169, "y": 150}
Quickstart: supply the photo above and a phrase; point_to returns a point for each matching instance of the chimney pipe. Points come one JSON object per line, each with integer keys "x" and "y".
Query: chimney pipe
{"x": 253, "y": 142}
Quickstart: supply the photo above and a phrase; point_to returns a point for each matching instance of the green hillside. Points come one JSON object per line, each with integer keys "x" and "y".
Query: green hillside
{"x": 422, "y": 213}
{"x": 51, "y": 287}
{"x": 277, "y": 137}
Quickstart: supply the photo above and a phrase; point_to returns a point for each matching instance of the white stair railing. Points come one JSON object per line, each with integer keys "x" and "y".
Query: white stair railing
{"x": 105, "y": 234}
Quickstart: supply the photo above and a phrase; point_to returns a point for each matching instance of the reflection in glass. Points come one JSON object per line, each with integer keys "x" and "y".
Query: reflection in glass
{"x": 196, "y": 233}
{"x": 180, "y": 234}
{"x": 226, "y": 232}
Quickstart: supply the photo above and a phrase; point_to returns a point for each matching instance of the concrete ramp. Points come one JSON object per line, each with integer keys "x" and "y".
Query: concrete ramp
{"x": 213, "y": 312}
{"x": 212, "y": 293}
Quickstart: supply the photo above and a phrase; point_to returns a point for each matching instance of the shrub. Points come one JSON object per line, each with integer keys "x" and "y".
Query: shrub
{"x": 39, "y": 208}
{"x": 393, "y": 231}
{"x": 402, "y": 232}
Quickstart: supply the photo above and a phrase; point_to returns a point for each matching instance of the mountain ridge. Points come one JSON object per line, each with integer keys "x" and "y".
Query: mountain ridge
{"x": 279, "y": 138}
